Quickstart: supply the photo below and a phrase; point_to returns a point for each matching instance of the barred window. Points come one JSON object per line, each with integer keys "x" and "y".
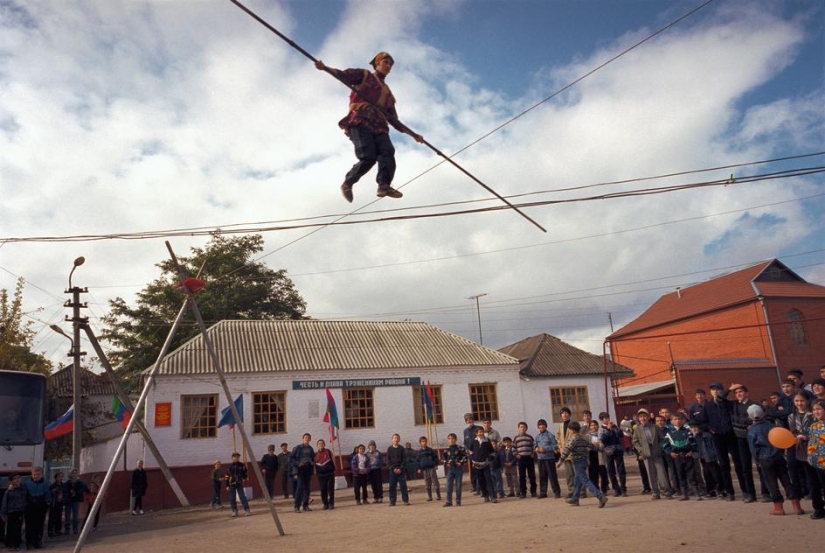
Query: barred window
{"x": 484, "y": 401}
{"x": 796, "y": 327}
{"x": 268, "y": 412}
{"x": 574, "y": 397}
{"x": 359, "y": 408}
{"x": 420, "y": 410}
{"x": 199, "y": 416}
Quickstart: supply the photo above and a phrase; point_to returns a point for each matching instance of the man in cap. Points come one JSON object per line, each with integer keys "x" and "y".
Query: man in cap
{"x": 563, "y": 433}
{"x": 470, "y": 431}
{"x": 371, "y": 111}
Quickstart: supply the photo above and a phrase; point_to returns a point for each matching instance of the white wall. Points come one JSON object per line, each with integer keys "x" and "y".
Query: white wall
{"x": 536, "y": 393}
{"x": 394, "y": 410}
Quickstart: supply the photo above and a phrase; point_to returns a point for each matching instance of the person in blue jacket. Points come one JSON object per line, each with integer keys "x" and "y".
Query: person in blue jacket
{"x": 37, "y": 505}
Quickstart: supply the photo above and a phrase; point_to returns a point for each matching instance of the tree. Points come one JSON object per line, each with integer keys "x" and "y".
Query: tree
{"x": 16, "y": 337}
{"x": 237, "y": 287}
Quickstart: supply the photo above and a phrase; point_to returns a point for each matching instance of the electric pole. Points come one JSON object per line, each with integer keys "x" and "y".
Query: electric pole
{"x": 77, "y": 391}
{"x": 478, "y": 313}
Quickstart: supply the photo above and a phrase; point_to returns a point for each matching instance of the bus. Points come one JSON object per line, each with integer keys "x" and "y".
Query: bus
{"x": 22, "y": 407}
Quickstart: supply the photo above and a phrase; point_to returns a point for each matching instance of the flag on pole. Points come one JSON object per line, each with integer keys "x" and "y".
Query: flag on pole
{"x": 331, "y": 416}
{"x": 120, "y": 412}
{"x": 427, "y": 394}
{"x": 226, "y": 414}
{"x": 63, "y": 425}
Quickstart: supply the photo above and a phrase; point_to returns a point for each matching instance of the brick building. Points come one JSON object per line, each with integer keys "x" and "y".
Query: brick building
{"x": 749, "y": 326}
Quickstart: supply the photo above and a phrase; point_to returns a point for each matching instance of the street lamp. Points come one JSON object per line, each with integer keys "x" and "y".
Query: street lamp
{"x": 478, "y": 312}
{"x": 77, "y": 320}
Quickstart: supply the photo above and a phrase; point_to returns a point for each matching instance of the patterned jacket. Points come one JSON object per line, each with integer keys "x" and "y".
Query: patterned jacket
{"x": 524, "y": 444}
{"x": 816, "y": 445}
{"x": 371, "y": 87}
{"x": 577, "y": 448}
{"x": 454, "y": 456}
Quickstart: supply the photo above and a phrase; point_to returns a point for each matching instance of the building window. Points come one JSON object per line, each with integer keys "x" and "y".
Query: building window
{"x": 199, "y": 416}
{"x": 575, "y": 398}
{"x": 796, "y": 327}
{"x": 484, "y": 401}
{"x": 268, "y": 412}
{"x": 420, "y": 410}
{"x": 359, "y": 408}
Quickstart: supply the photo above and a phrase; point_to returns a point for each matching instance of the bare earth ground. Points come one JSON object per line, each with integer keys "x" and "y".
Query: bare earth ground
{"x": 627, "y": 524}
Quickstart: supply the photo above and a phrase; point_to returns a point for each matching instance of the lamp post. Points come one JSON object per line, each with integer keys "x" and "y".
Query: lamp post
{"x": 478, "y": 313}
{"x": 76, "y": 319}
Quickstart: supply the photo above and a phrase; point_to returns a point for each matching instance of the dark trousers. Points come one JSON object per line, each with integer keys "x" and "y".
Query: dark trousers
{"x": 377, "y": 485}
{"x": 526, "y": 469}
{"x": 745, "y": 471}
{"x": 615, "y": 467}
{"x": 326, "y": 484}
{"x": 35, "y": 520}
{"x": 643, "y": 474}
{"x": 14, "y": 529}
{"x": 55, "y": 518}
{"x": 598, "y": 475}
{"x": 685, "y": 474}
{"x": 302, "y": 486}
{"x": 774, "y": 472}
{"x": 798, "y": 473}
{"x": 284, "y": 484}
{"x": 485, "y": 482}
{"x": 369, "y": 149}
{"x": 138, "y": 506}
{"x": 359, "y": 482}
{"x": 816, "y": 483}
{"x": 269, "y": 480}
{"x": 398, "y": 480}
{"x": 713, "y": 478}
{"x": 547, "y": 471}
{"x": 216, "y": 493}
{"x": 727, "y": 449}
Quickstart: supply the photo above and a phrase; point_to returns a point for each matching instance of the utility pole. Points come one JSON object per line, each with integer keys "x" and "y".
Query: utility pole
{"x": 77, "y": 321}
{"x": 478, "y": 313}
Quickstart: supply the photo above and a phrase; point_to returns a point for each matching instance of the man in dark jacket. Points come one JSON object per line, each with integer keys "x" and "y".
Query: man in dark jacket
{"x": 470, "y": 430}
{"x": 741, "y": 423}
{"x": 716, "y": 419}
{"x": 37, "y": 505}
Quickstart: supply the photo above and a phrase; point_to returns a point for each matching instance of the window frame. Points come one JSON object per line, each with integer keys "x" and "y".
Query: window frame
{"x": 419, "y": 411}
{"x": 257, "y": 413}
{"x": 559, "y": 399}
{"x": 482, "y": 406}
{"x": 796, "y": 327}
{"x": 209, "y": 413}
{"x": 365, "y": 414}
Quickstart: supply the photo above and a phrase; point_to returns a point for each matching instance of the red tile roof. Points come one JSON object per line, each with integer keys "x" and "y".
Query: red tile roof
{"x": 768, "y": 279}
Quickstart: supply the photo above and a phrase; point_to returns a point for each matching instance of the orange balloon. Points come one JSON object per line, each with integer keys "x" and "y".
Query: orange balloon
{"x": 781, "y": 438}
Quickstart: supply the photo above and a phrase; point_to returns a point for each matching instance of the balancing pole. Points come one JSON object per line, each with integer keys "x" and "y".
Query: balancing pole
{"x": 389, "y": 117}
{"x": 207, "y": 340}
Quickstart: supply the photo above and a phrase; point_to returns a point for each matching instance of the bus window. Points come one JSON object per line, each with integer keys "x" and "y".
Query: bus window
{"x": 21, "y": 408}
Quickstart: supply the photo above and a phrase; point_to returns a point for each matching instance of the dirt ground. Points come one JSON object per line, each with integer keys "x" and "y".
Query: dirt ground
{"x": 635, "y": 523}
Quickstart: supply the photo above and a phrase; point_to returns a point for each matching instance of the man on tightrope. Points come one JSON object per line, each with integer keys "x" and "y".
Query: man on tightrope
{"x": 368, "y": 127}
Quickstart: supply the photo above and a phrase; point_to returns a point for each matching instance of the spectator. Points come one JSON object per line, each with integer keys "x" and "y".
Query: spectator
{"x": 614, "y": 455}
{"x": 139, "y": 486}
{"x": 283, "y": 468}
{"x": 269, "y": 467}
{"x": 525, "y": 446}
{"x": 546, "y": 448}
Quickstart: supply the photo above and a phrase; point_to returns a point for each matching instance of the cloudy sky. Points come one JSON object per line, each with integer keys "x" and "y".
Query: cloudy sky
{"x": 137, "y": 116}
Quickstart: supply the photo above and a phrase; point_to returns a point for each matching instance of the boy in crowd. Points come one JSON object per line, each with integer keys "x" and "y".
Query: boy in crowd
{"x": 496, "y": 466}
{"x": 646, "y": 443}
{"x": 13, "y": 511}
{"x": 510, "y": 464}
{"x": 563, "y": 433}
{"x": 301, "y": 461}
{"x": 708, "y": 459}
{"x": 772, "y": 462}
{"x": 269, "y": 467}
{"x": 37, "y": 505}
{"x": 427, "y": 461}
{"x": 283, "y": 468}
{"x": 325, "y": 473}
{"x": 397, "y": 462}
{"x": 525, "y": 446}
{"x": 57, "y": 507}
{"x": 577, "y": 450}
{"x": 546, "y": 448}
{"x": 482, "y": 454}
{"x": 73, "y": 493}
{"x": 235, "y": 476}
{"x": 614, "y": 452}
{"x": 360, "y": 465}
{"x": 455, "y": 457}
{"x": 665, "y": 480}
{"x": 680, "y": 445}
{"x": 217, "y": 480}
{"x": 376, "y": 461}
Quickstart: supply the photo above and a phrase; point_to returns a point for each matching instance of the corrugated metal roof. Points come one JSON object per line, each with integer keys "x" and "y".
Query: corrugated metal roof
{"x": 646, "y": 388}
{"x": 768, "y": 278}
{"x": 310, "y": 345}
{"x": 59, "y": 384}
{"x": 546, "y": 355}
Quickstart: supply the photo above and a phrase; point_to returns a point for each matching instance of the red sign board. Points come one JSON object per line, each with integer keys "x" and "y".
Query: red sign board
{"x": 163, "y": 414}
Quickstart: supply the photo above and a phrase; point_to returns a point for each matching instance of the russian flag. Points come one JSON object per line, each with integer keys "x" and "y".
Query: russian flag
{"x": 62, "y": 426}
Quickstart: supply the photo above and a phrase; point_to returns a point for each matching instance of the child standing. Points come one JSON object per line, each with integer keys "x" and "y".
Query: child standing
{"x": 455, "y": 457}
{"x": 596, "y": 463}
{"x": 360, "y": 465}
{"x": 235, "y": 476}
{"x": 708, "y": 459}
{"x": 325, "y": 472}
{"x": 217, "y": 479}
{"x": 482, "y": 453}
{"x": 509, "y": 462}
{"x": 680, "y": 445}
{"x": 302, "y": 459}
{"x": 576, "y": 450}
{"x": 13, "y": 510}
{"x": 376, "y": 480}
{"x": 496, "y": 465}
{"x": 397, "y": 463}
{"x": 816, "y": 455}
{"x": 771, "y": 461}
{"x": 525, "y": 445}
{"x": 427, "y": 461}
{"x": 56, "y": 510}
{"x": 546, "y": 448}
{"x": 73, "y": 492}
{"x": 614, "y": 454}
